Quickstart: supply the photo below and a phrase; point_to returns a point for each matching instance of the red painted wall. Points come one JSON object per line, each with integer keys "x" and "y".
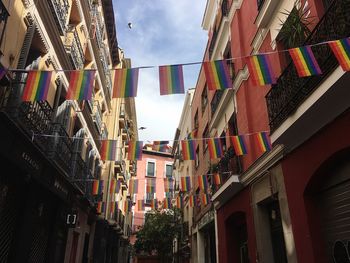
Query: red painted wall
{"x": 241, "y": 203}
{"x": 298, "y": 172}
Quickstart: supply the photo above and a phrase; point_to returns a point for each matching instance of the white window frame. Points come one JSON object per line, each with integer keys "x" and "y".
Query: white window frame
{"x": 155, "y": 167}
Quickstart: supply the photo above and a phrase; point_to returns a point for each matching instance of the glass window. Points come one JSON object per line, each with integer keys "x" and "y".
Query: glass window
{"x": 168, "y": 170}
{"x": 150, "y": 169}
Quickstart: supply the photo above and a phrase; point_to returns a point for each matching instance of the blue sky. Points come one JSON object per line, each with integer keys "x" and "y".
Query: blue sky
{"x": 163, "y": 32}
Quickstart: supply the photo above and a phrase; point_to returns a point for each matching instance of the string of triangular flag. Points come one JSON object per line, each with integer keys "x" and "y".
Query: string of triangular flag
{"x": 171, "y": 76}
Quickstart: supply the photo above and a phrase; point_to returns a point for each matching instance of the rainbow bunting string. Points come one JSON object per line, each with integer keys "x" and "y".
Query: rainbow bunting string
{"x": 135, "y": 150}
{"x": 117, "y": 187}
{"x": 305, "y": 61}
{"x": 188, "y": 149}
{"x": 191, "y": 200}
{"x": 203, "y": 182}
{"x": 140, "y": 205}
{"x": 112, "y": 208}
{"x": 150, "y": 186}
{"x": 217, "y": 178}
{"x": 167, "y": 185}
{"x": 133, "y": 186}
{"x": 160, "y": 146}
{"x": 37, "y": 85}
{"x": 154, "y": 204}
{"x": 167, "y": 203}
{"x": 125, "y": 82}
{"x": 205, "y": 199}
{"x": 263, "y": 141}
{"x": 341, "y": 50}
{"x": 108, "y": 150}
{"x": 171, "y": 80}
{"x": 193, "y": 134}
{"x": 179, "y": 202}
{"x": 97, "y": 187}
{"x": 239, "y": 145}
{"x": 215, "y": 148}
{"x": 80, "y": 85}
{"x": 100, "y": 208}
{"x": 186, "y": 183}
{"x": 127, "y": 206}
{"x": 112, "y": 186}
{"x": 260, "y": 69}
{"x": 217, "y": 75}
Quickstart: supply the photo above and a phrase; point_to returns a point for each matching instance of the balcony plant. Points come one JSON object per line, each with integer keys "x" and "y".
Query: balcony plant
{"x": 296, "y": 28}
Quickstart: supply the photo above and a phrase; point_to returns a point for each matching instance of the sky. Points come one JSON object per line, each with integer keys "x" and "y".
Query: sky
{"x": 163, "y": 32}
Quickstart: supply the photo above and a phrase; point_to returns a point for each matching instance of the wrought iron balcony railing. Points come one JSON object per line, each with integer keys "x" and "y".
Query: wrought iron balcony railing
{"x": 215, "y": 101}
{"x": 291, "y": 90}
{"x": 59, "y": 10}
{"x": 97, "y": 116}
{"x": 74, "y": 48}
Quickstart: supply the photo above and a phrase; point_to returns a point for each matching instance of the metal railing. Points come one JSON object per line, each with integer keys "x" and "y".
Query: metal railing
{"x": 97, "y": 116}
{"x": 291, "y": 90}
{"x": 59, "y": 10}
{"x": 74, "y": 48}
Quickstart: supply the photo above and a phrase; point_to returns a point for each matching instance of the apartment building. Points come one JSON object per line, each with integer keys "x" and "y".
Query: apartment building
{"x": 184, "y": 168}
{"x": 50, "y": 148}
{"x": 289, "y": 204}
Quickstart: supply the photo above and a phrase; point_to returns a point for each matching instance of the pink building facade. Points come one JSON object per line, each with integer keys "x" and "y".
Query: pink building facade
{"x": 152, "y": 170}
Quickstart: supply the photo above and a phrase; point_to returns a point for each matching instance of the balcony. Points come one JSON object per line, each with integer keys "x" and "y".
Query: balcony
{"x": 215, "y": 101}
{"x": 104, "y": 132}
{"x": 97, "y": 116}
{"x": 59, "y": 10}
{"x": 74, "y": 48}
{"x": 291, "y": 90}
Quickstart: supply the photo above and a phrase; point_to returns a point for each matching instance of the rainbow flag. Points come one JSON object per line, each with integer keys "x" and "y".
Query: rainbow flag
{"x": 203, "y": 182}
{"x": 341, "y": 50}
{"x": 112, "y": 186}
{"x": 193, "y": 134}
{"x": 108, "y": 150}
{"x": 112, "y": 206}
{"x": 150, "y": 186}
{"x": 154, "y": 204}
{"x": 160, "y": 146}
{"x": 217, "y": 75}
{"x": 80, "y": 85}
{"x": 100, "y": 208}
{"x": 205, "y": 199}
{"x": 37, "y": 85}
{"x": 305, "y": 61}
{"x": 167, "y": 203}
{"x": 239, "y": 145}
{"x": 191, "y": 200}
{"x": 179, "y": 202}
{"x": 185, "y": 184}
{"x": 127, "y": 206}
{"x": 217, "y": 178}
{"x": 125, "y": 82}
{"x": 168, "y": 184}
{"x": 135, "y": 150}
{"x": 97, "y": 187}
{"x": 215, "y": 148}
{"x": 260, "y": 70}
{"x": 263, "y": 141}
{"x": 140, "y": 205}
{"x": 188, "y": 149}
{"x": 2, "y": 72}
{"x": 171, "y": 80}
{"x": 133, "y": 186}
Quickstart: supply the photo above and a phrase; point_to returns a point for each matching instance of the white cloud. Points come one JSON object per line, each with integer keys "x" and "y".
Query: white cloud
{"x": 164, "y": 32}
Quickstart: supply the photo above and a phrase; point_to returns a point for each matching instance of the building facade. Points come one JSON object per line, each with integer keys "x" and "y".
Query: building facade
{"x": 51, "y": 148}
{"x": 184, "y": 168}
{"x": 288, "y": 204}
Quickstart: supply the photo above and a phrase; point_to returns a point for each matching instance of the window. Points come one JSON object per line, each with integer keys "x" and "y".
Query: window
{"x": 151, "y": 169}
{"x": 205, "y": 136}
{"x": 197, "y": 157}
{"x": 204, "y": 98}
{"x": 150, "y": 197}
{"x": 168, "y": 170}
{"x": 196, "y": 120}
